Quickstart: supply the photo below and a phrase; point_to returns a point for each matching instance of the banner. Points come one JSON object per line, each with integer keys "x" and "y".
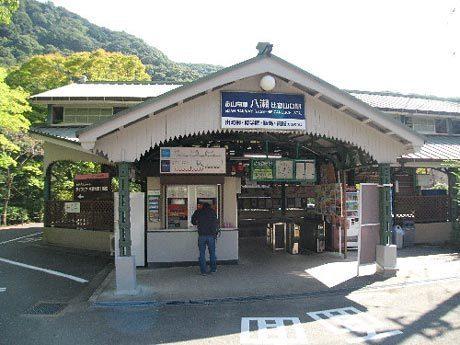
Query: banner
{"x": 261, "y": 110}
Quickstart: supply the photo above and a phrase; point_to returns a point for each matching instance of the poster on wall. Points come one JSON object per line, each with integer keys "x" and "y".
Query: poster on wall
{"x": 262, "y": 110}
{"x": 192, "y": 160}
{"x": 283, "y": 170}
{"x": 153, "y": 205}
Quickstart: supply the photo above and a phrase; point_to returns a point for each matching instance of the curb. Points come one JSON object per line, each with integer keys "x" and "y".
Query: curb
{"x": 320, "y": 293}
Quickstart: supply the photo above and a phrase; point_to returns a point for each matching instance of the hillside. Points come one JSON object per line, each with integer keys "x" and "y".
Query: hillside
{"x": 40, "y": 28}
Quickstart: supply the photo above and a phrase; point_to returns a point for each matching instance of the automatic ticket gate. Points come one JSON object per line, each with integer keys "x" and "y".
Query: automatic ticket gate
{"x": 283, "y": 235}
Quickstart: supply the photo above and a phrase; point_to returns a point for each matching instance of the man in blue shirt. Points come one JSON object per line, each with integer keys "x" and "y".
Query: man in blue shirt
{"x": 207, "y": 222}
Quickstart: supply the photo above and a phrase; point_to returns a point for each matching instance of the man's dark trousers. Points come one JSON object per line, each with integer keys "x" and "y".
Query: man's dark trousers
{"x": 209, "y": 241}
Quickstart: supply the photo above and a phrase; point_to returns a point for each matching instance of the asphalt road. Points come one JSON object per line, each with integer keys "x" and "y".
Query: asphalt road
{"x": 409, "y": 314}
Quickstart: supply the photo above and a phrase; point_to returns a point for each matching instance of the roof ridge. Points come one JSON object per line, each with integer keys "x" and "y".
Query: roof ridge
{"x": 129, "y": 82}
{"x": 407, "y": 95}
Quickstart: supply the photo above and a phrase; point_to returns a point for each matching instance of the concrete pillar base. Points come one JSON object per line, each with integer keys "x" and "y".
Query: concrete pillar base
{"x": 386, "y": 256}
{"x": 125, "y": 275}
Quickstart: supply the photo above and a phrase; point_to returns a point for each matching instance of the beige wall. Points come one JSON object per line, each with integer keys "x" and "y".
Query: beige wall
{"x": 81, "y": 239}
{"x": 232, "y": 187}
{"x": 432, "y": 233}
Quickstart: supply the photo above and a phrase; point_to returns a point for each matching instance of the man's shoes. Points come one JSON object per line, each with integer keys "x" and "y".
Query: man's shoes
{"x": 213, "y": 271}
{"x": 203, "y": 274}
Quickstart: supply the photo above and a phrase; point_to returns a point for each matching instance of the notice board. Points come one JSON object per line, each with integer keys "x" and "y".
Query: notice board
{"x": 369, "y": 234}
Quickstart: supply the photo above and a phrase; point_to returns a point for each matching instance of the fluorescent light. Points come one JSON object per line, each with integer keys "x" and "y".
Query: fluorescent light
{"x": 250, "y": 155}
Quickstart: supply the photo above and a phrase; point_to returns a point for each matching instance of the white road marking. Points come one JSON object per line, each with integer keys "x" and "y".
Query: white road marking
{"x": 272, "y": 331}
{"x": 45, "y": 270}
{"x": 353, "y": 321}
{"x": 18, "y": 238}
{"x": 2, "y": 289}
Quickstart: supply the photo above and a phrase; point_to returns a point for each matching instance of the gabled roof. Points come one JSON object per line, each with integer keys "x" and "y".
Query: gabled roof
{"x": 265, "y": 63}
{"x": 437, "y": 148}
{"x": 104, "y": 90}
{"x": 397, "y": 102}
{"x": 58, "y": 132}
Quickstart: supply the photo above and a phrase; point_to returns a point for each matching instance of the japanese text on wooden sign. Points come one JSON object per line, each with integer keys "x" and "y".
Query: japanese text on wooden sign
{"x": 192, "y": 160}
{"x": 93, "y": 187}
{"x": 261, "y": 110}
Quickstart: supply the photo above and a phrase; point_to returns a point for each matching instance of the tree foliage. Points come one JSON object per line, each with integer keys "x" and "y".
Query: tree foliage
{"x": 17, "y": 150}
{"x": 42, "y": 28}
{"x": 45, "y": 72}
{"x": 7, "y": 8}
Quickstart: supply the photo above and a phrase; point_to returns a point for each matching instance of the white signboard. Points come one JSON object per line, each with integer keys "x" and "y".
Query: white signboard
{"x": 192, "y": 160}
{"x": 305, "y": 170}
{"x": 72, "y": 207}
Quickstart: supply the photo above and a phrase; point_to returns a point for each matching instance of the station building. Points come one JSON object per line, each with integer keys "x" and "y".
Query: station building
{"x": 277, "y": 152}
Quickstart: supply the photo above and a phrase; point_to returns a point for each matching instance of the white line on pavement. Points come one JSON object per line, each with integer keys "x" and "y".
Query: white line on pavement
{"x": 18, "y": 238}
{"x": 56, "y": 273}
{"x": 2, "y": 289}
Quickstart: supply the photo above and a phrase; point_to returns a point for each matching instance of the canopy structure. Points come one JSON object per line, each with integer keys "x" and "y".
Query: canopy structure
{"x": 195, "y": 109}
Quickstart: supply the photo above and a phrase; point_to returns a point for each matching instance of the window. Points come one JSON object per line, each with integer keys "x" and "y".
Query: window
{"x": 57, "y": 114}
{"x": 85, "y": 115}
{"x": 455, "y": 126}
{"x": 118, "y": 109}
{"x": 424, "y": 125}
{"x": 440, "y": 125}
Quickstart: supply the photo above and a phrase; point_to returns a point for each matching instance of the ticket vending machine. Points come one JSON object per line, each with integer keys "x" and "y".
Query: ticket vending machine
{"x": 207, "y": 194}
{"x": 177, "y": 207}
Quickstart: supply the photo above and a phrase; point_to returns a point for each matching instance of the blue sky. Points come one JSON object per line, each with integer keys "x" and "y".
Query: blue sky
{"x": 407, "y": 46}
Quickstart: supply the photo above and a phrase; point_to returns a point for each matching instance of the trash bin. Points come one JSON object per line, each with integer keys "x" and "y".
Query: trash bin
{"x": 408, "y": 227}
{"x": 398, "y": 236}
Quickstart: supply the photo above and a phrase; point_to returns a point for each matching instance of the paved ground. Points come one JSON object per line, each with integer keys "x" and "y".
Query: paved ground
{"x": 261, "y": 272}
{"x": 31, "y": 273}
{"x": 421, "y": 311}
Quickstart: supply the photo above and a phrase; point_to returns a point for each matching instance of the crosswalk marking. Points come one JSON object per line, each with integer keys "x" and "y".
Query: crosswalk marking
{"x": 2, "y": 289}
{"x": 271, "y": 331}
{"x": 350, "y": 320}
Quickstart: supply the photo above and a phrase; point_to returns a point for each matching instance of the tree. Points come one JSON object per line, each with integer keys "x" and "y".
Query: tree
{"x": 17, "y": 150}
{"x": 45, "y": 72}
{"x": 7, "y": 8}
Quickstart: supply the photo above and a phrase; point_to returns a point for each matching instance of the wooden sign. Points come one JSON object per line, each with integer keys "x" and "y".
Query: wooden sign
{"x": 93, "y": 187}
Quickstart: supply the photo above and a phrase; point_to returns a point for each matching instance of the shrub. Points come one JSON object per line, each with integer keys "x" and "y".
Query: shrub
{"x": 16, "y": 215}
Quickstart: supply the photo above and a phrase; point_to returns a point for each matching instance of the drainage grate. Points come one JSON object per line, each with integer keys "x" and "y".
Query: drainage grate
{"x": 46, "y": 308}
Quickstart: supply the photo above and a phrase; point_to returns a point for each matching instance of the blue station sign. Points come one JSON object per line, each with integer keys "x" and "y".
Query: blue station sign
{"x": 261, "y": 110}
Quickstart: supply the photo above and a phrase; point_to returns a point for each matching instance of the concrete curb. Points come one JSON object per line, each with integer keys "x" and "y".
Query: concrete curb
{"x": 245, "y": 299}
{"x": 21, "y": 226}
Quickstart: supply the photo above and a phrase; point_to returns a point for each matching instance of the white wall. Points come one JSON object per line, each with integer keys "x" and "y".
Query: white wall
{"x": 137, "y": 218}
{"x": 202, "y": 115}
{"x": 182, "y": 246}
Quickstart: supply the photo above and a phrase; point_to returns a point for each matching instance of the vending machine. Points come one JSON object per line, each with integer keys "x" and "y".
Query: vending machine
{"x": 207, "y": 194}
{"x": 177, "y": 207}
